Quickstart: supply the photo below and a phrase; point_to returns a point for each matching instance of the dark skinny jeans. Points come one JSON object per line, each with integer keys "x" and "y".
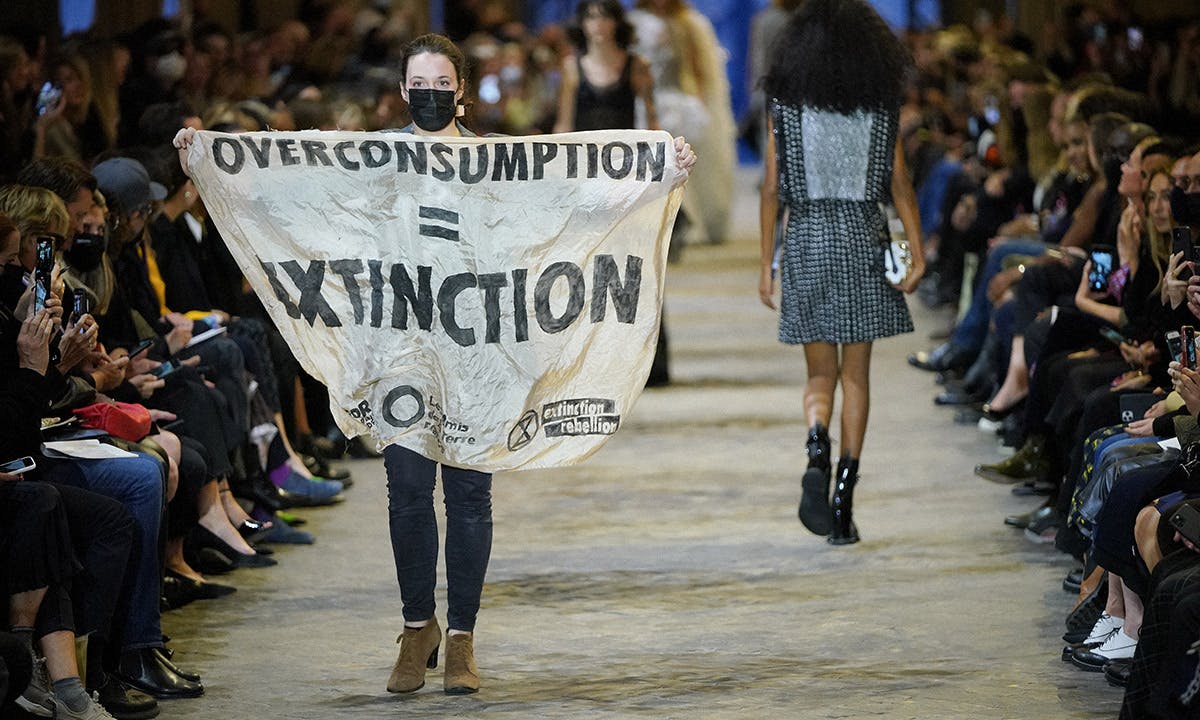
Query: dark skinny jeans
{"x": 468, "y": 497}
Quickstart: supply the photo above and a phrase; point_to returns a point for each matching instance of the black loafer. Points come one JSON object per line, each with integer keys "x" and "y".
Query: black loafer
{"x": 146, "y": 670}
{"x": 1073, "y": 581}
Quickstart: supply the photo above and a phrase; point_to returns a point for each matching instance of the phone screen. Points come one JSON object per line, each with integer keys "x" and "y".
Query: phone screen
{"x": 18, "y": 466}
{"x": 1102, "y": 267}
{"x": 48, "y": 97}
{"x": 43, "y": 271}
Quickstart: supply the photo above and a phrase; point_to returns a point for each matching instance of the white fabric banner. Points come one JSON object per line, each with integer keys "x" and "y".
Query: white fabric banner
{"x": 491, "y": 303}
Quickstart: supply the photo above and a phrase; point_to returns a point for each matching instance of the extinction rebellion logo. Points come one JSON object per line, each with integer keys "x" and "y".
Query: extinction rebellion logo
{"x": 567, "y": 418}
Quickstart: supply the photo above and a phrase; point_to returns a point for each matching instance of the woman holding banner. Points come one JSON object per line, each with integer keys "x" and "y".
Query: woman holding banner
{"x": 435, "y": 73}
{"x": 835, "y": 87}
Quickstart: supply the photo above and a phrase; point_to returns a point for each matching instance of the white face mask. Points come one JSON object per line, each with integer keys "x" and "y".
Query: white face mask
{"x": 170, "y": 68}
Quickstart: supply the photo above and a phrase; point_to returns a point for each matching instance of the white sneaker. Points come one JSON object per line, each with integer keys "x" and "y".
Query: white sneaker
{"x": 93, "y": 711}
{"x": 1118, "y": 646}
{"x": 38, "y": 699}
{"x": 1104, "y": 629}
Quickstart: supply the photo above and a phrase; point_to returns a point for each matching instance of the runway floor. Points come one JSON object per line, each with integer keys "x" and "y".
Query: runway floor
{"x": 668, "y": 577}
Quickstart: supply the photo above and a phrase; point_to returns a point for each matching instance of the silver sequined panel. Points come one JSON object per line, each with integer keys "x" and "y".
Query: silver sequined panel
{"x": 836, "y": 153}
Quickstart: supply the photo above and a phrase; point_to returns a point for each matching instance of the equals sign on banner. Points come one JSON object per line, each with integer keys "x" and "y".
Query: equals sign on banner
{"x": 438, "y": 215}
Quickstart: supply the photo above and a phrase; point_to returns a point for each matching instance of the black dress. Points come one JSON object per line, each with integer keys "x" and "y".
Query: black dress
{"x": 605, "y": 108}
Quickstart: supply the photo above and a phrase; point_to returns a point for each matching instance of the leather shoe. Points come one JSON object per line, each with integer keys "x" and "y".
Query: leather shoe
{"x": 1073, "y": 581}
{"x": 162, "y": 654}
{"x": 1026, "y": 519}
{"x": 1028, "y": 463}
{"x": 123, "y": 702}
{"x": 146, "y": 670}
{"x": 1116, "y": 672}
{"x": 1119, "y": 646}
{"x": 1034, "y": 488}
{"x": 959, "y": 397}
{"x": 943, "y": 357}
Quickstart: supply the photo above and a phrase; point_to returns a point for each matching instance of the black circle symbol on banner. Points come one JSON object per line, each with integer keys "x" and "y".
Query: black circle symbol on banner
{"x": 522, "y": 433}
{"x": 393, "y": 397}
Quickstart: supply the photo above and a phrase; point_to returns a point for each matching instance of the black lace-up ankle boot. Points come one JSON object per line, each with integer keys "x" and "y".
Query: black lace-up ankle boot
{"x": 814, "y": 498}
{"x": 843, "y": 531}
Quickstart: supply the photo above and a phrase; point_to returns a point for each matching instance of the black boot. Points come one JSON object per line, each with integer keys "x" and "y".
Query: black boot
{"x": 814, "y": 500}
{"x": 843, "y": 531}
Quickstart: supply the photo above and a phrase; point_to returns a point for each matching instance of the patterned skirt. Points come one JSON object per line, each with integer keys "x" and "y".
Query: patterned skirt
{"x": 831, "y": 276}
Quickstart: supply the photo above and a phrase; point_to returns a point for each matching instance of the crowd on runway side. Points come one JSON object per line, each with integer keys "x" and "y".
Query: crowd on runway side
{"x": 1060, "y": 190}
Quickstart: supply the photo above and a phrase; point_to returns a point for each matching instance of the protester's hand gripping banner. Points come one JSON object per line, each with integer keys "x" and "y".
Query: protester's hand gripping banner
{"x": 491, "y": 303}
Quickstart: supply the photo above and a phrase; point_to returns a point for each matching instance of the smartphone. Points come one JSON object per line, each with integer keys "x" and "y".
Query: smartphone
{"x": 1186, "y": 520}
{"x": 1136, "y": 38}
{"x": 1103, "y": 259}
{"x": 18, "y": 466}
{"x": 1187, "y": 354}
{"x": 43, "y": 271}
{"x": 1112, "y": 335}
{"x": 1174, "y": 344}
{"x": 48, "y": 97}
{"x": 140, "y": 348}
{"x": 164, "y": 370}
{"x": 1181, "y": 242}
{"x": 80, "y": 305}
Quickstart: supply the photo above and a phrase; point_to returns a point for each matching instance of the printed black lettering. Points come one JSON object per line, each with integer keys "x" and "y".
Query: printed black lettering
{"x": 464, "y": 165}
{"x": 543, "y": 153}
{"x": 491, "y": 283}
{"x": 593, "y": 160}
{"x": 607, "y": 280}
{"x": 572, "y": 159}
{"x": 442, "y": 154}
{"x": 411, "y": 154}
{"x": 508, "y": 168}
{"x": 610, "y": 168}
{"x": 421, "y": 297}
{"x": 315, "y": 152}
{"x": 234, "y": 166}
{"x": 376, "y": 272}
{"x": 339, "y": 152}
{"x": 393, "y": 397}
{"x": 261, "y": 152}
{"x": 650, "y": 159}
{"x": 541, "y": 296}
{"x": 349, "y": 271}
{"x": 308, "y": 282}
{"x": 281, "y": 293}
{"x": 370, "y": 160}
{"x": 447, "y": 294}
{"x": 287, "y": 151}
{"x": 520, "y": 311}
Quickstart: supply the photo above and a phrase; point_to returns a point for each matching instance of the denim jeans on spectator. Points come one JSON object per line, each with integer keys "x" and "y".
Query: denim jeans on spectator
{"x": 973, "y": 327}
{"x": 468, "y": 495}
{"x": 138, "y": 484}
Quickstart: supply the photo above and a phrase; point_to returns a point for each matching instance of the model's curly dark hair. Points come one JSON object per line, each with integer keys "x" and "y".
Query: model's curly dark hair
{"x": 838, "y": 55}
{"x": 610, "y": 8}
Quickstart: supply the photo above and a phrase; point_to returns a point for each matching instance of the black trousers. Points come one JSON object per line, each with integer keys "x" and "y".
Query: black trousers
{"x": 1171, "y": 623}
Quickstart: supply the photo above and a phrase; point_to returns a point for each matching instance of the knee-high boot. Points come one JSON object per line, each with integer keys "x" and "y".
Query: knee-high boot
{"x": 814, "y": 498}
{"x": 843, "y": 531}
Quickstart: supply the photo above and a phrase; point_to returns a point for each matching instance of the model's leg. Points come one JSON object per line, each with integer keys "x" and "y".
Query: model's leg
{"x": 855, "y": 378}
{"x": 822, "y": 362}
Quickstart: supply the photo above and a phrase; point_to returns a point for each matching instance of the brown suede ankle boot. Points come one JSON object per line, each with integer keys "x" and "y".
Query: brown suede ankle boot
{"x": 418, "y": 651}
{"x": 462, "y": 677}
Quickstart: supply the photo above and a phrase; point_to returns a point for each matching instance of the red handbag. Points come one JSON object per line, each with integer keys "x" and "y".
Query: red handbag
{"x": 122, "y": 420}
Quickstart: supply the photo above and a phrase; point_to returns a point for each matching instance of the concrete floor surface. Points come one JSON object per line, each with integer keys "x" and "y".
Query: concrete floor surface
{"x": 668, "y": 576}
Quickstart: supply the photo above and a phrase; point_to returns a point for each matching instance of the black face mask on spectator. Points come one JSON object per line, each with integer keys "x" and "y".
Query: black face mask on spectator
{"x": 1185, "y": 207}
{"x": 87, "y": 250}
{"x": 431, "y": 109}
{"x": 12, "y": 285}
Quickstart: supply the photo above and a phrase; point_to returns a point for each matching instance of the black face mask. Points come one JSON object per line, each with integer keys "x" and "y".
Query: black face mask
{"x": 431, "y": 110}
{"x": 87, "y": 250}
{"x": 1185, "y": 207}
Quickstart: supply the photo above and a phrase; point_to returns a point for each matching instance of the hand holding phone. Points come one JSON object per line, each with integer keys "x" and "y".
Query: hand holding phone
{"x": 1186, "y": 522}
{"x": 1103, "y": 260}
{"x": 48, "y": 97}
{"x": 19, "y": 466}
{"x": 43, "y": 271}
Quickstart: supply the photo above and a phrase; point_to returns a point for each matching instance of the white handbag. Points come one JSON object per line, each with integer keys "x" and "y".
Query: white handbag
{"x": 897, "y": 257}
